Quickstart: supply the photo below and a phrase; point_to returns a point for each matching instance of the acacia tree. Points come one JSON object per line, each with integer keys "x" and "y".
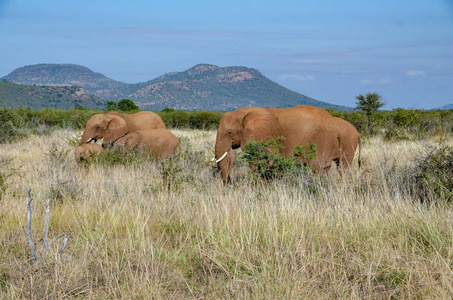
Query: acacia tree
{"x": 369, "y": 104}
{"x": 122, "y": 105}
{"x": 126, "y": 105}
{"x": 111, "y": 105}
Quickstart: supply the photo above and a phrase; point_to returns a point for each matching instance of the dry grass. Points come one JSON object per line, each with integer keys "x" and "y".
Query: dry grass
{"x": 360, "y": 235}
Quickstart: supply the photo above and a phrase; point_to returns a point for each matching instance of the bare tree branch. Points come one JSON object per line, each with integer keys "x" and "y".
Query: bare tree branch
{"x": 46, "y": 230}
{"x": 45, "y": 234}
{"x": 28, "y": 232}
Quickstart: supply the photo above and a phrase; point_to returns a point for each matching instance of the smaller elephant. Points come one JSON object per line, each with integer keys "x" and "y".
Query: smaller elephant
{"x": 158, "y": 143}
{"x": 114, "y": 125}
{"x": 87, "y": 152}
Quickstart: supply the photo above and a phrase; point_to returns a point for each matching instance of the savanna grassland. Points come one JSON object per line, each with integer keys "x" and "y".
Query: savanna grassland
{"x": 141, "y": 229}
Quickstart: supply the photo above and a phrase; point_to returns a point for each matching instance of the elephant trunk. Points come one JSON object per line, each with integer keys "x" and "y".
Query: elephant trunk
{"x": 222, "y": 146}
{"x": 86, "y": 137}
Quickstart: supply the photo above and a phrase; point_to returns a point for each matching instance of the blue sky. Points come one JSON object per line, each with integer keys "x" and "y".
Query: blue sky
{"x": 328, "y": 50}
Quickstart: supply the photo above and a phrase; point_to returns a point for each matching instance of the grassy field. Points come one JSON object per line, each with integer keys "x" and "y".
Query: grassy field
{"x": 170, "y": 230}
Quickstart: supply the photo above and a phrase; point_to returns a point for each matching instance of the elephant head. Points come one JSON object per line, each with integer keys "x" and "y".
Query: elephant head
{"x": 106, "y": 126}
{"x": 86, "y": 152}
{"x": 238, "y": 127}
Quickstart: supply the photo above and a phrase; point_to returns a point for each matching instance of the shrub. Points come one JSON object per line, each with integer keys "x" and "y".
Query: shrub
{"x": 126, "y": 105}
{"x": 404, "y": 118}
{"x": 268, "y": 163}
{"x": 170, "y": 169}
{"x": 394, "y": 133}
{"x": 194, "y": 120}
{"x": 433, "y": 174}
{"x": 111, "y": 105}
{"x": 62, "y": 184}
{"x": 8, "y": 132}
{"x": 6, "y": 171}
{"x": 112, "y": 156}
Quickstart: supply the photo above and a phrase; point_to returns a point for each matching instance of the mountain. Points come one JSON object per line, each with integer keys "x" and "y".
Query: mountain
{"x": 14, "y": 95}
{"x": 68, "y": 74}
{"x": 201, "y": 87}
{"x": 446, "y": 107}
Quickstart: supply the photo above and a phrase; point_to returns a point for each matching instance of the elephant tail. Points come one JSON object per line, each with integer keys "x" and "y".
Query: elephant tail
{"x": 360, "y": 149}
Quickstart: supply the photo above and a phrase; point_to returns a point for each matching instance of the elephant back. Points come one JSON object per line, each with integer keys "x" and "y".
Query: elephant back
{"x": 143, "y": 120}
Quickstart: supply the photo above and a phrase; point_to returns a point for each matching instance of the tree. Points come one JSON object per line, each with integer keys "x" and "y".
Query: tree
{"x": 111, "y": 105}
{"x": 369, "y": 103}
{"x": 126, "y": 105}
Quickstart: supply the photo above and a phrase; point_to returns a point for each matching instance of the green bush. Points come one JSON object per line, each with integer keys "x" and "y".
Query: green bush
{"x": 412, "y": 122}
{"x": 126, "y": 105}
{"x": 112, "y": 156}
{"x": 8, "y": 132}
{"x": 269, "y": 164}
{"x": 193, "y": 120}
{"x": 406, "y": 117}
{"x": 434, "y": 173}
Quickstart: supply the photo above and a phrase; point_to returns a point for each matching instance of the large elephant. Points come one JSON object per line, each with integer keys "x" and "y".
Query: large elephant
{"x": 300, "y": 125}
{"x": 349, "y": 140}
{"x": 114, "y": 125}
{"x": 158, "y": 143}
{"x": 87, "y": 152}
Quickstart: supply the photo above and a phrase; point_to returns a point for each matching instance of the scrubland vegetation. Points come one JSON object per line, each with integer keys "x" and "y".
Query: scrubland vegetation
{"x": 140, "y": 228}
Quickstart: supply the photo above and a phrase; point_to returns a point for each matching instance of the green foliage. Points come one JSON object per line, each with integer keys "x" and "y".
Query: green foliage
{"x": 111, "y": 105}
{"x": 434, "y": 173}
{"x": 62, "y": 184}
{"x": 194, "y": 120}
{"x": 73, "y": 118}
{"x": 406, "y": 117}
{"x": 8, "y": 132}
{"x": 396, "y": 124}
{"x": 112, "y": 156}
{"x": 6, "y": 171}
{"x": 268, "y": 163}
{"x": 170, "y": 169}
{"x": 167, "y": 110}
{"x": 369, "y": 103}
{"x": 395, "y": 134}
{"x": 126, "y": 105}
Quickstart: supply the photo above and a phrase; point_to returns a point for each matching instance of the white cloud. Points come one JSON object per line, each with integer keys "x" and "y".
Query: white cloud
{"x": 416, "y": 73}
{"x": 375, "y": 81}
{"x": 295, "y": 77}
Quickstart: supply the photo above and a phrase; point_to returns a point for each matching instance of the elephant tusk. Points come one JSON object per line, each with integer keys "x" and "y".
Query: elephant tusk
{"x": 220, "y": 159}
{"x": 89, "y": 140}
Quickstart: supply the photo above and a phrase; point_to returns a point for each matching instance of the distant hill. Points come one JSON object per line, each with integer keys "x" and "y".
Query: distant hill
{"x": 204, "y": 86}
{"x": 68, "y": 74}
{"x": 448, "y": 106}
{"x": 14, "y": 95}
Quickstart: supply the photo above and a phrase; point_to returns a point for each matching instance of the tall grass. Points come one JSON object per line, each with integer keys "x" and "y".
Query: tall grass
{"x": 362, "y": 234}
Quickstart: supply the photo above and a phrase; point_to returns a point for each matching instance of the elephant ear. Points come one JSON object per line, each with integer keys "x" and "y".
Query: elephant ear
{"x": 116, "y": 128}
{"x": 259, "y": 125}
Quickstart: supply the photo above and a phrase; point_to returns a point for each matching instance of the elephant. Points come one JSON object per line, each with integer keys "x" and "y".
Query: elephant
{"x": 87, "y": 152}
{"x": 349, "y": 140}
{"x": 300, "y": 125}
{"x": 159, "y": 143}
{"x": 114, "y": 125}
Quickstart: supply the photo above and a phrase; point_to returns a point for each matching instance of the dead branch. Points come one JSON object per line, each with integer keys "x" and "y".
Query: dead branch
{"x": 28, "y": 231}
{"x": 45, "y": 234}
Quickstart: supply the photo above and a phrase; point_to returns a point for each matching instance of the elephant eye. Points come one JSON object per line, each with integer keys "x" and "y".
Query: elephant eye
{"x": 229, "y": 132}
